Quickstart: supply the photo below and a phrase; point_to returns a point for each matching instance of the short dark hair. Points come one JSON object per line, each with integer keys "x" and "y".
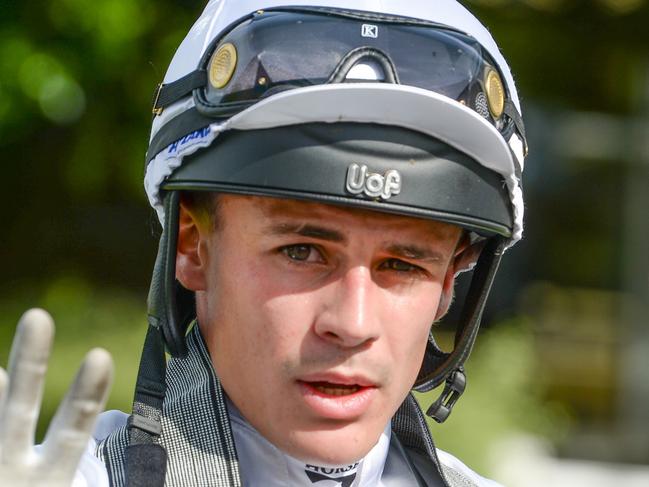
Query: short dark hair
{"x": 205, "y": 203}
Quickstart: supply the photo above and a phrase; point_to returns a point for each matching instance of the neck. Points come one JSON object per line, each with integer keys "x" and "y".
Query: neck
{"x": 262, "y": 463}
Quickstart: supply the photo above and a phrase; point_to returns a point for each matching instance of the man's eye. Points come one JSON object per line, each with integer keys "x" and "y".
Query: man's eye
{"x": 301, "y": 253}
{"x": 399, "y": 266}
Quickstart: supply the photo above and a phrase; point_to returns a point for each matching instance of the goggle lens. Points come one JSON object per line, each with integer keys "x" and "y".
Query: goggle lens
{"x": 279, "y": 50}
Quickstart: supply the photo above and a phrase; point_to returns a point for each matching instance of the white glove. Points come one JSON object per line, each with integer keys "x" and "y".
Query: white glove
{"x": 55, "y": 462}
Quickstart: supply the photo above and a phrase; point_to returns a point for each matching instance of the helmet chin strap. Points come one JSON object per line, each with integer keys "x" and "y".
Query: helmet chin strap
{"x": 439, "y": 366}
{"x": 146, "y": 461}
{"x": 170, "y": 306}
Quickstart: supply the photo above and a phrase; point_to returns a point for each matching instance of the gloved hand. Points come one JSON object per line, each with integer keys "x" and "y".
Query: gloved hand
{"x": 55, "y": 462}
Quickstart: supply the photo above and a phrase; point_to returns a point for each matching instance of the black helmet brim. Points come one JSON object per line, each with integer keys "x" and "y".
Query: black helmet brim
{"x": 312, "y": 161}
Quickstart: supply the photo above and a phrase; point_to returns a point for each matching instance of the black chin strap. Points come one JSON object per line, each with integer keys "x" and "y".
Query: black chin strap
{"x": 439, "y": 366}
{"x": 146, "y": 460}
{"x": 170, "y": 306}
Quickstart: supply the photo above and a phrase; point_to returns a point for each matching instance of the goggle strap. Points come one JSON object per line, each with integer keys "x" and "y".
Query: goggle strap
{"x": 187, "y": 122}
{"x": 511, "y": 111}
{"x": 168, "y": 94}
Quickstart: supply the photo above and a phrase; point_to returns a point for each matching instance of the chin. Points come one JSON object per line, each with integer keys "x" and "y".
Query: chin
{"x": 333, "y": 447}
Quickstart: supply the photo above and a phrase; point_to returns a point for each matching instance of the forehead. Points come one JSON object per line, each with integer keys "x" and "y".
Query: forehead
{"x": 268, "y": 210}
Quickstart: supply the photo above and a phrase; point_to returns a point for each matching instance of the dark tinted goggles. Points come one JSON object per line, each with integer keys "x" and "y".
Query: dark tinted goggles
{"x": 281, "y": 49}
{"x": 278, "y": 50}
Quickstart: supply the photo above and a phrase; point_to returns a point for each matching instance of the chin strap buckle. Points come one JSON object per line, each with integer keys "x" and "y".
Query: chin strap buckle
{"x": 453, "y": 389}
{"x": 149, "y": 425}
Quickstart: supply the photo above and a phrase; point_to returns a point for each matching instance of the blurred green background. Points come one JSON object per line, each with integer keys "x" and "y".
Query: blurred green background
{"x": 564, "y": 352}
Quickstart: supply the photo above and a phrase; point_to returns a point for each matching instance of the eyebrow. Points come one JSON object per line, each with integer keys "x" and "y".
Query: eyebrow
{"x": 415, "y": 252}
{"x": 308, "y": 230}
{"x": 406, "y": 251}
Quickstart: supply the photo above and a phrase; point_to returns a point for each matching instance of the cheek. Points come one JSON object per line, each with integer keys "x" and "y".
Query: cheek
{"x": 287, "y": 321}
{"x": 257, "y": 315}
{"x": 416, "y": 307}
{"x": 410, "y": 318}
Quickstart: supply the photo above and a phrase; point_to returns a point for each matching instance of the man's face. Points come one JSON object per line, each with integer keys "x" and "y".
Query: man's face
{"x": 316, "y": 317}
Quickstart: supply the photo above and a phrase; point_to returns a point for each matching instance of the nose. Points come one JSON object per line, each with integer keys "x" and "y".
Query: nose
{"x": 350, "y": 315}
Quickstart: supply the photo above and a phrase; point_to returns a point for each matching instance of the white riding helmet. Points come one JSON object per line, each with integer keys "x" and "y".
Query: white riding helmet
{"x": 404, "y": 107}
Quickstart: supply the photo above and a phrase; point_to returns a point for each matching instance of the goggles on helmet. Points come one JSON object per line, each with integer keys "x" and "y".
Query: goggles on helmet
{"x": 276, "y": 50}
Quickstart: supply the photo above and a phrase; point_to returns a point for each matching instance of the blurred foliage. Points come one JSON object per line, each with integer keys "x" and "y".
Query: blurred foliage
{"x": 579, "y": 54}
{"x": 76, "y": 80}
{"x": 615, "y": 7}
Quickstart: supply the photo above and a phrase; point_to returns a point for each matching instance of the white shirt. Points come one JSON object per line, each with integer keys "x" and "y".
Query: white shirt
{"x": 263, "y": 464}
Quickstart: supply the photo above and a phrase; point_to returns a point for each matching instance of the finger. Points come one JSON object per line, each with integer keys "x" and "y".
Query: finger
{"x": 27, "y": 366}
{"x": 68, "y": 434}
{"x": 4, "y": 380}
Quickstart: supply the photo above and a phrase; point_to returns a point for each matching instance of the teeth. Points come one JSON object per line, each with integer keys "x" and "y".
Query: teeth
{"x": 336, "y": 391}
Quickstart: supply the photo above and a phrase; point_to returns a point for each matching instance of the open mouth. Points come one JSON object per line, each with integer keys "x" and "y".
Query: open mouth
{"x": 346, "y": 400}
{"x": 332, "y": 389}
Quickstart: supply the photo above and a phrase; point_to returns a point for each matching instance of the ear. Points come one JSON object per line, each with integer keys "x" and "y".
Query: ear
{"x": 465, "y": 257}
{"x": 191, "y": 257}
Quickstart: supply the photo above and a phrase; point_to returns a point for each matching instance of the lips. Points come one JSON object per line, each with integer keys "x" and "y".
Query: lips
{"x": 338, "y": 380}
{"x": 337, "y": 397}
